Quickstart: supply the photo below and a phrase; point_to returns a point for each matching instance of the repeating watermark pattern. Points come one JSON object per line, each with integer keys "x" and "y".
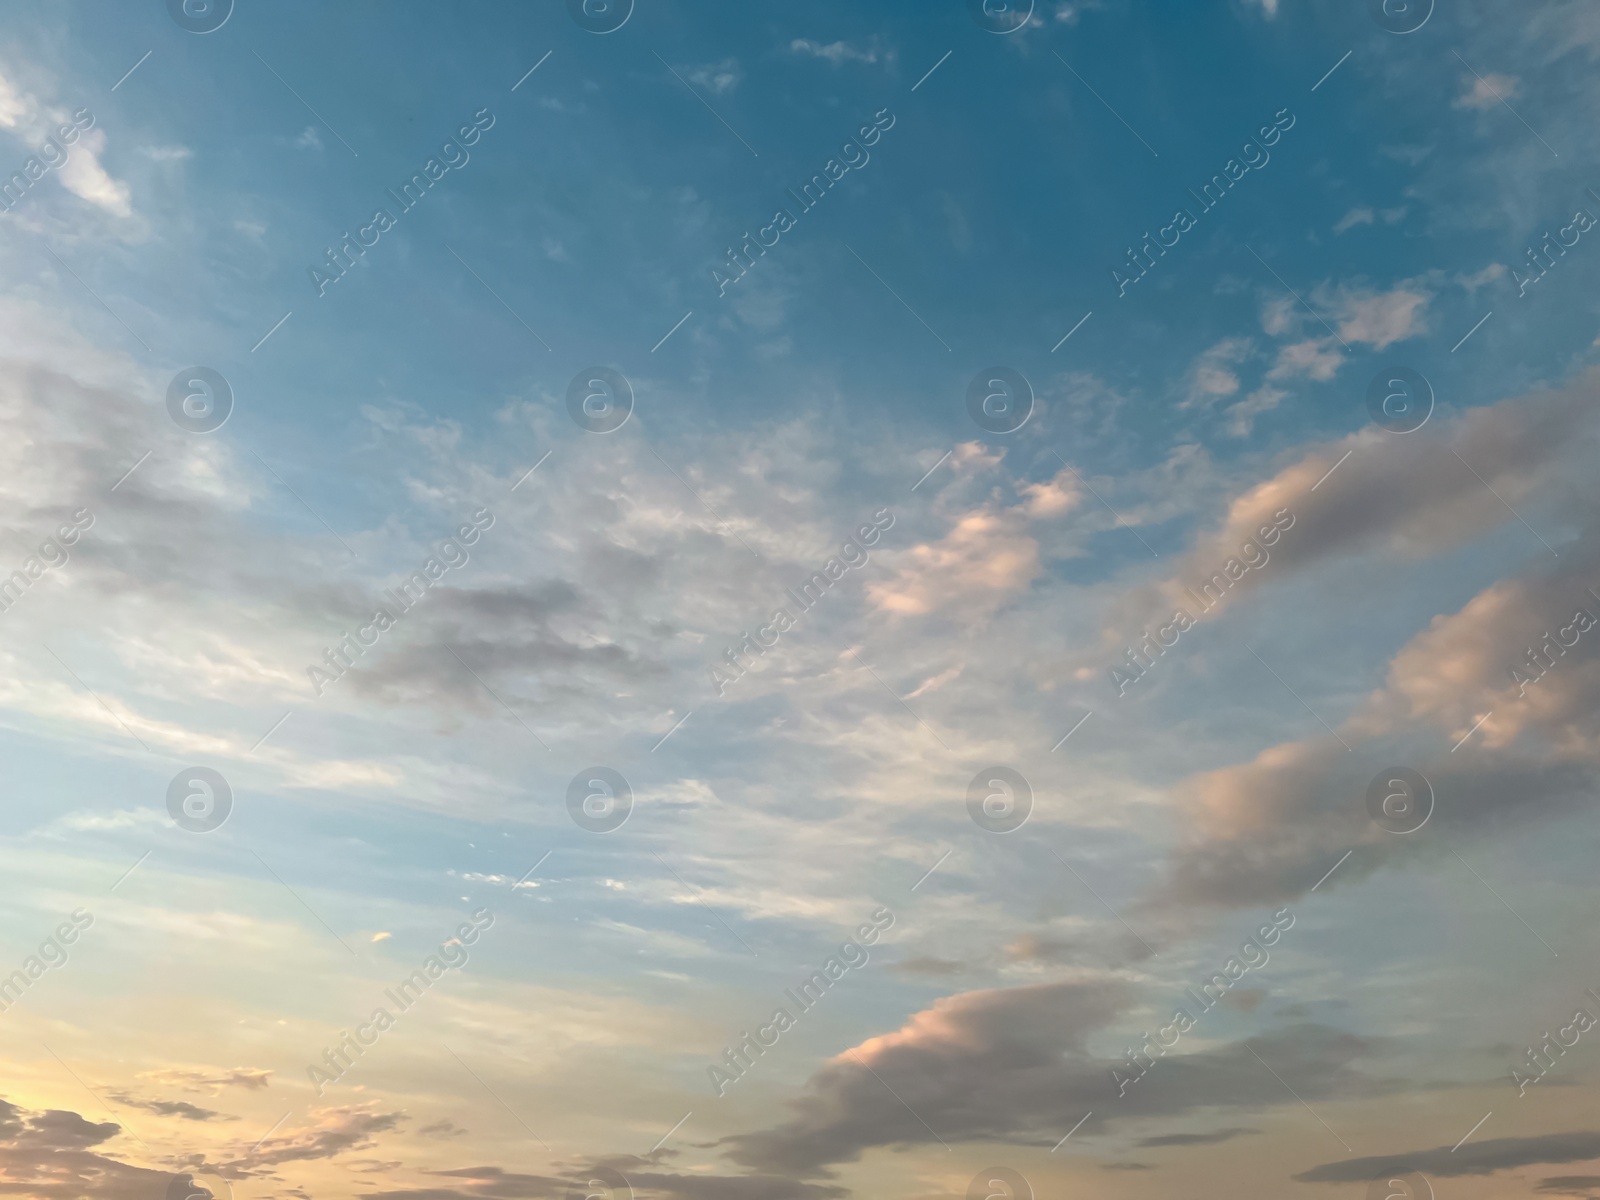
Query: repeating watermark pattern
{"x": 1252, "y": 556}
{"x": 1404, "y": 1185}
{"x": 398, "y": 601}
{"x": 1400, "y": 800}
{"x": 1400, "y": 399}
{"x": 1540, "y": 1058}
{"x": 199, "y": 400}
{"x": 200, "y": 16}
{"x": 999, "y": 1183}
{"x": 451, "y": 955}
{"x": 51, "y": 156}
{"x": 1252, "y": 956}
{"x": 199, "y": 799}
{"x": 1000, "y": 16}
{"x": 601, "y": 1183}
{"x": 1254, "y": 156}
{"x": 853, "y": 155}
{"x": 999, "y": 799}
{"x": 1539, "y": 658}
{"x": 1400, "y": 16}
{"x": 52, "y": 953}
{"x": 738, "y": 658}
{"x": 337, "y": 262}
{"x": 198, "y": 1185}
{"x": 600, "y": 400}
{"x": 600, "y": 16}
{"x": 1000, "y": 400}
{"x": 51, "y": 554}
{"x": 738, "y": 1058}
{"x": 599, "y": 800}
{"x": 1543, "y": 255}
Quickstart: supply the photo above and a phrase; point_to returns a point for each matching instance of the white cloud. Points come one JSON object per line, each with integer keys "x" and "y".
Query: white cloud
{"x": 1069, "y": 13}
{"x": 1383, "y": 318}
{"x": 1486, "y": 91}
{"x": 719, "y": 77}
{"x": 12, "y": 105}
{"x": 1314, "y": 358}
{"x": 81, "y": 173}
{"x": 1356, "y": 216}
{"x": 1241, "y": 416}
{"x": 837, "y": 53}
{"x": 1213, "y": 372}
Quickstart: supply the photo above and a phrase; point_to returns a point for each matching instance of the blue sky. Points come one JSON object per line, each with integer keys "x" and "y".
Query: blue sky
{"x": 1384, "y": 225}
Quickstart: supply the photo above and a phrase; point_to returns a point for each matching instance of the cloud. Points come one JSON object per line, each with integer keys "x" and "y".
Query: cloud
{"x": 986, "y": 554}
{"x": 642, "y": 1176}
{"x": 933, "y": 683}
{"x": 717, "y": 78}
{"x": 171, "y": 1108}
{"x": 13, "y": 106}
{"x": 1213, "y": 372}
{"x": 1362, "y": 315}
{"x": 81, "y": 173}
{"x": 50, "y": 1156}
{"x": 1485, "y": 91}
{"x": 1382, "y": 318}
{"x": 1490, "y": 274}
{"x": 1403, "y": 497}
{"x": 1196, "y": 1139}
{"x": 250, "y": 1078}
{"x": 1242, "y": 416}
{"x": 1356, "y": 216}
{"x": 325, "y": 1133}
{"x": 1475, "y": 1158}
{"x": 837, "y": 53}
{"x": 1070, "y": 12}
{"x": 1570, "y": 1185}
{"x": 1314, "y": 358}
{"x": 1265, "y": 831}
{"x": 933, "y": 968}
{"x": 1031, "y": 947}
{"x": 1013, "y": 1065}
{"x": 1058, "y": 495}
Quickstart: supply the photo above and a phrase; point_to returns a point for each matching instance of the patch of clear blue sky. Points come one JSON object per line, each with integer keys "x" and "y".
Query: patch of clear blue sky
{"x": 996, "y": 207}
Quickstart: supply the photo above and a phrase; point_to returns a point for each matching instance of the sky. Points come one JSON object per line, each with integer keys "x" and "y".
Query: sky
{"x": 665, "y": 600}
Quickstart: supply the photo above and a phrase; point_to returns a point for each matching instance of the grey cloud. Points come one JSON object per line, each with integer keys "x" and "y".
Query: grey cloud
{"x": 171, "y": 1108}
{"x": 1475, "y": 1158}
{"x": 48, "y": 1156}
{"x": 1569, "y": 1185}
{"x": 1012, "y": 1065}
{"x": 933, "y": 968}
{"x": 1196, "y": 1139}
{"x": 644, "y": 1176}
{"x": 251, "y": 1078}
{"x": 1265, "y": 831}
{"x": 1033, "y": 948}
{"x": 502, "y": 634}
{"x": 1407, "y": 496}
